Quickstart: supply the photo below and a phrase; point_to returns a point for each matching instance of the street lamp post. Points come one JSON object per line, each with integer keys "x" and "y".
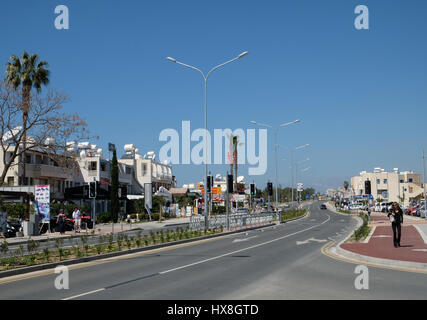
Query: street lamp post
{"x": 424, "y": 185}
{"x": 205, "y": 77}
{"x": 296, "y": 170}
{"x": 275, "y": 152}
{"x": 292, "y": 150}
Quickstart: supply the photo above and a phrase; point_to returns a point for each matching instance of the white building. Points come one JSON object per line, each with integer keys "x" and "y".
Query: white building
{"x": 395, "y": 186}
{"x": 147, "y": 170}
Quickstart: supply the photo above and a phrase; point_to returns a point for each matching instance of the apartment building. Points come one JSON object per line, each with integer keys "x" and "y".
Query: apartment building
{"x": 43, "y": 169}
{"x": 85, "y": 163}
{"x": 396, "y": 186}
{"x": 147, "y": 170}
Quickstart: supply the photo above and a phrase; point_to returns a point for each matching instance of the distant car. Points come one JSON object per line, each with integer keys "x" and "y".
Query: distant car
{"x": 323, "y": 206}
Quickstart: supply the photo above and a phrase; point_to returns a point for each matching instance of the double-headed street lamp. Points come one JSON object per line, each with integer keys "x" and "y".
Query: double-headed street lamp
{"x": 205, "y": 77}
{"x": 292, "y": 150}
{"x": 275, "y": 150}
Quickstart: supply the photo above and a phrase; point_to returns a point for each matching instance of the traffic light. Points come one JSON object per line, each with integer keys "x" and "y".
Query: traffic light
{"x": 252, "y": 189}
{"x": 367, "y": 187}
{"x": 124, "y": 191}
{"x": 270, "y": 188}
{"x": 209, "y": 184}
{"x": 230, "y": 183}
{"x": 92, "y": 189}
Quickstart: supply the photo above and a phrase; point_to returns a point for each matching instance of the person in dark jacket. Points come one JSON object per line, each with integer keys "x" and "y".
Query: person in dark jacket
{"x": 396, "y": 217}
{"x": 60, "y": 221}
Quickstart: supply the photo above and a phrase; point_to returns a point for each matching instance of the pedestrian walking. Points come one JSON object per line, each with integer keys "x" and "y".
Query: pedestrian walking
{"x": 396, "y": 218}
{"x": 60, "y": 221}
{"x": 77, "y": 219}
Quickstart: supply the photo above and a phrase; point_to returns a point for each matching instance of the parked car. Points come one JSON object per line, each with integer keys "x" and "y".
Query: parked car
{"x": 412, "y": 211}
{"x": 355, "y": 206}
{"x": 323, "y": 206}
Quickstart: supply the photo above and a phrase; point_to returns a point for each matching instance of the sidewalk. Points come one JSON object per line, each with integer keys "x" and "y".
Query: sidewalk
{"x": 378, "y": 248}
{"x": 101, "y": 229}
{"x": 380, "y": 243}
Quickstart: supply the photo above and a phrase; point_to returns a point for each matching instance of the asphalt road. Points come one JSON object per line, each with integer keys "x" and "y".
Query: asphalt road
{"x": 281, "y": 262}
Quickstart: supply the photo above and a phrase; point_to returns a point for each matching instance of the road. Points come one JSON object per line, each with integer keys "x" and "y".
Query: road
{"x": 281, "y": 262}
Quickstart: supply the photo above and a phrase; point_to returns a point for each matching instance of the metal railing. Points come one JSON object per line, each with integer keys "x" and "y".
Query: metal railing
{"x": 235, "y": 221}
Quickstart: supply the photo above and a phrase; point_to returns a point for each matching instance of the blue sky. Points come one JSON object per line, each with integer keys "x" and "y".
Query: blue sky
{"x": 361, "y": 95}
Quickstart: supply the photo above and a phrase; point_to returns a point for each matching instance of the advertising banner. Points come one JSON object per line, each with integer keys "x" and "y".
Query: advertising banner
{"x": 42, "y": 202}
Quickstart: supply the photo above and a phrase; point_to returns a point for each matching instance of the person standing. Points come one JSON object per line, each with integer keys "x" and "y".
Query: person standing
{"x": 77, "y": 219}
{"x": 396, "y": 217}
{"x": 60, "y": 221}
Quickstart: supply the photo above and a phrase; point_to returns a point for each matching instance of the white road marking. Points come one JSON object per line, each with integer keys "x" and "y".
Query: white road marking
{"x": 309, "y": 240}
{"x": 244, "y": 249}
{"x": 84, "y": 294}
{"x": 382, "y": 236}
{"x": 217, "y": 257}
{"x": 244, "y": 239}
{"x": 422, "y": 250}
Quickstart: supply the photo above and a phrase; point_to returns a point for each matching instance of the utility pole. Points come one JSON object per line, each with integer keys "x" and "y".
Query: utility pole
{"x": 424, "y": 185}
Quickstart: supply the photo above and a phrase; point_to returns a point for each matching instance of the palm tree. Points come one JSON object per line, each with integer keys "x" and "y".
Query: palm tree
{"x": 30, "y": 74}
{"x": 236, "y": 143}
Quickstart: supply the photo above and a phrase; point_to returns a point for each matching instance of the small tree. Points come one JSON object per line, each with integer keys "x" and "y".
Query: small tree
{"x": 346, "y": 184}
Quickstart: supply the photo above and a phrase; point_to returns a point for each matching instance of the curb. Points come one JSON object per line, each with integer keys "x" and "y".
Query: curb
{"x": 293, "y": 219}
{"x": 336, "y": 252}
{"x": 52, "y": 265}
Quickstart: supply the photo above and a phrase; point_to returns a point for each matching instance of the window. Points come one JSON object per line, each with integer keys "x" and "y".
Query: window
{"x": 385, "y": 181}
{"x": 401, "y": 181}
{"x": 144, "y": 169}
{"x": 411, "y": 190}
{"x": 103, "y": 166}
{"x": 38, "y": 159}
{"x": 378, "y": 181}
{"x": 28, "y": 158}
{"x": 8, "y": 157}
{"x": 128, "y": 170}
{"x": 10, "y": 181}
{"x": 92, "y": 165}
{"x": 410, "y": 180}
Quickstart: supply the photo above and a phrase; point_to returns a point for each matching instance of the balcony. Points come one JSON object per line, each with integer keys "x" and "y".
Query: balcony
{"x": 46, "y": 171}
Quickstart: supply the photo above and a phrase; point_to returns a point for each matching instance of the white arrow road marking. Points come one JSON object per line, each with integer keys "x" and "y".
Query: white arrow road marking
{"x": 308, "y": 240}
{"x": 244, "y": 239}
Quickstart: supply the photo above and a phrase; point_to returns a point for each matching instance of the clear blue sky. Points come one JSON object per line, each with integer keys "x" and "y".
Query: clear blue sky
{"x": 361, "y": 95}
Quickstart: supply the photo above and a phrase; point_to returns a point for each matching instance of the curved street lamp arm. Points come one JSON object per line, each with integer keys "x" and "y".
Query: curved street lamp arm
{"x": 191, "y": 67}
{"x": 220, "y": 65}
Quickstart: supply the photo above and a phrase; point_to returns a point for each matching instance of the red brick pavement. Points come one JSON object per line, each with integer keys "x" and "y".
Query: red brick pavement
{"x": 381, "y": 245}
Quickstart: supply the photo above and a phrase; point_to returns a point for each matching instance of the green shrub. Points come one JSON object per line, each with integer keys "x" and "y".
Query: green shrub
{"x": 105, "y": 217}
{"x": 364, "y": 230}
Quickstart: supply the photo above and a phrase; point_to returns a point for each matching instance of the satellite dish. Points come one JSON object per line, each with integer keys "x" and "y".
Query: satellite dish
{"x": 84, "y": 145}
{"x": 129, "y": 148}
{"x": 49, "y": 141}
